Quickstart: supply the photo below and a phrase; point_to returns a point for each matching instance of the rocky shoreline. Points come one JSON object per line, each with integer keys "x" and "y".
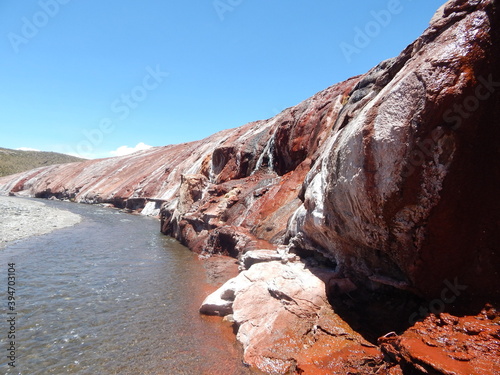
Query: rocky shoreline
{"x": 281, "y": 307}
{"x": 23, "y": 218}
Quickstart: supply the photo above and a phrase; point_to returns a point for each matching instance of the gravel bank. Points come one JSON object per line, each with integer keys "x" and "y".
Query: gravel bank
{"x": 21, "y": 218}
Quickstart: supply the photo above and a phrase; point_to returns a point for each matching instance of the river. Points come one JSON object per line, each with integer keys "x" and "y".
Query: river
{"x": 110, "y": 295}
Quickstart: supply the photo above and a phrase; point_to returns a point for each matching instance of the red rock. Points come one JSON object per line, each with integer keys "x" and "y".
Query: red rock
{"x": 236, "y": 180}
{"x": 404, "y": 190}
{"x": 286, "y": 324}
{"x": 450, "y": 345}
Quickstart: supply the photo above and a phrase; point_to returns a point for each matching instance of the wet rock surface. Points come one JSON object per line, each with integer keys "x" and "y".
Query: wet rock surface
{"x": 447, "y": 344}
{"x": 402, "y": 193}
{"x": 285, "y": 322}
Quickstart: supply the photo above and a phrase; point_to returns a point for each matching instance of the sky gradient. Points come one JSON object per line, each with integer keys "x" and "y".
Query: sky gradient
{"x": 96, "y": 78}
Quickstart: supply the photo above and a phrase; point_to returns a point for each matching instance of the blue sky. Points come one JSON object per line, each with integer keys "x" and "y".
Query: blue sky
{"x": 90, "y": 76}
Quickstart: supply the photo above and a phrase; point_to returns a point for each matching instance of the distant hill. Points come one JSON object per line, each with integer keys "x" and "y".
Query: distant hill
{"x": 14, "y": 161}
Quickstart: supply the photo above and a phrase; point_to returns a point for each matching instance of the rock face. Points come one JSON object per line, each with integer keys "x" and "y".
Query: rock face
{"x": 248, "y": 187}
{"x": 389, "y": 180}
{"x": 404, "y": 190}
{"x": 232, "y": 191}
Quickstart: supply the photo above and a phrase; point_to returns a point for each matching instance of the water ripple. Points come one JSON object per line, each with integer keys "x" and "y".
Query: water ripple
{"x": 112, "y": 296}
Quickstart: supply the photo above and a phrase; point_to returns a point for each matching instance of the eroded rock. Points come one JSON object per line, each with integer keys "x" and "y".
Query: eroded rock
{"x": 448, "y": 344}
{"x": 258, "y": 256}
{"x": 285, "y": 322}
{"x": 402, "y": 192}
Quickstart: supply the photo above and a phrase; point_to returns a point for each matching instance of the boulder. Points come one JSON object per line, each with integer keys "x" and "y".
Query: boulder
{"x": 285, "y": 322}
{"x": 258, "y": 256}
{"x": 221, "y": 301}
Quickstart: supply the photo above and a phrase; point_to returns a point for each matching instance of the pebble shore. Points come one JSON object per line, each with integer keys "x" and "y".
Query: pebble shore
{"x": 23, "y": 218}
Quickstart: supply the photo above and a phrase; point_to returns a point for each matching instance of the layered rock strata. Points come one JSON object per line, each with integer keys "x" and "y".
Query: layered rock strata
{"x": 404, "y": 191}
{"x": 232, "y": 191}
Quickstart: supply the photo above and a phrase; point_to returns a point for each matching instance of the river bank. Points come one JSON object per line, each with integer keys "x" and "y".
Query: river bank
{"x": 23, "y": 218}
{"x": 112, "y": 295}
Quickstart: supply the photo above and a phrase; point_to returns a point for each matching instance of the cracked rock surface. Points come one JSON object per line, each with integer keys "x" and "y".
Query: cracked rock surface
{"x": 285, "y": 322}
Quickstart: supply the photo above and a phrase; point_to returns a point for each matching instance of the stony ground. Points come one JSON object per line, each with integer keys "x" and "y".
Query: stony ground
{"x": 22, "y": 218}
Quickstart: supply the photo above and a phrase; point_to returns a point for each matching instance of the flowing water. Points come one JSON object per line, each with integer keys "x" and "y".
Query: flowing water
{"x": 110, "y": 295}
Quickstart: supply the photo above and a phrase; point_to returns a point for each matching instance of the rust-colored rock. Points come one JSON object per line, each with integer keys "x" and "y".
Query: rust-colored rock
{"x": 404, "y": 192}
{"x": 286, "y": 324}
{"x": 447, "y": 344}
{"x": 236, "y": 183}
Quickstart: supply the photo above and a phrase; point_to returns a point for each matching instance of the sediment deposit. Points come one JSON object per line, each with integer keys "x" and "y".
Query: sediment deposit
{"x": 22, "y": 218}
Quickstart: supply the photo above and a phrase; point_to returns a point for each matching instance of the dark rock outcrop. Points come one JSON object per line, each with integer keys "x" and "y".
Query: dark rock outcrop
{"x": 385, "y": 185}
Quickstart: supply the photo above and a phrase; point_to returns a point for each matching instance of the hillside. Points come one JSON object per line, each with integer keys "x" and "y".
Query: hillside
{"x": 15, "y": 161}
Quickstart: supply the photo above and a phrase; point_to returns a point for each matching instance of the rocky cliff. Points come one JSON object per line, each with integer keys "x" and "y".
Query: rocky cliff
{"x": 235, "y": 189}
{"x": 404, "y": 191}
{"x": 356, "y": 213}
